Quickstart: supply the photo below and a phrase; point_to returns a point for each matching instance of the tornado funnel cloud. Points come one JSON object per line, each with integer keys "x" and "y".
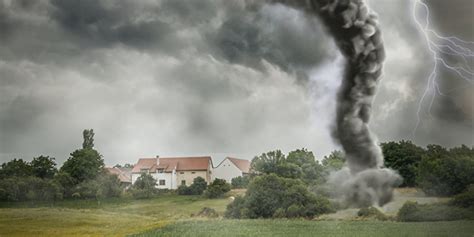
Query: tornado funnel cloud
{"x": 356, "y": 32}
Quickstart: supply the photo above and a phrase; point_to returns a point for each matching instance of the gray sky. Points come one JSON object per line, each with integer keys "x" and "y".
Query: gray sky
{"x": 218, "y": 77}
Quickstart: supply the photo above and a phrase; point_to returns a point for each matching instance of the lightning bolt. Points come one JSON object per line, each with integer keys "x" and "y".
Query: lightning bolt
{"x": 440, "y": 46}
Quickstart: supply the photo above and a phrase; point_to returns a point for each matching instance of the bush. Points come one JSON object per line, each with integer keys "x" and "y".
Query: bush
{"x": 196, "y": 188}
{"x": 184, "y": 190}
{"x": 412, "y": 212}
{"x": 372, "y": 213}
{"x": 144, "y": 187}
{"x": 234, "y": 209}
{"x": 445, "y": 173}
{"x": 465, "y": 199}
{"x": 294, "y": 210}
{"x": 29, "y": 188}
{"x": 279, "y": 213}
{"x": 217, "y": 188}
{"x": 103, "y": 186}
{"x": 271, "y": 196}
{"x": 240, "y": 182}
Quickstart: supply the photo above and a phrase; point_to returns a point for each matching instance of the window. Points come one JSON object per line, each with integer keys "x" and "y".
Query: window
{"x": 193, "y": 172}
{"x": 181, "y": 172}
{"x": 160, "y": 171}
{"x": 183, "y": 182}
{"x": 162, "y": 182}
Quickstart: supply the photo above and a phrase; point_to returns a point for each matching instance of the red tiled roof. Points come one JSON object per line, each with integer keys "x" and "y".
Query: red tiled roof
{"x": 170, "y": 163}
{"x": 144, "y": 163}
{"x": 122, "y": 176}
{"x": 242, "y": 164}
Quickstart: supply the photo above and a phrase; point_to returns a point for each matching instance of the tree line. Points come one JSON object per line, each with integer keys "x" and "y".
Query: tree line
{"x": 81, "y": 176}
{"x": 293, "y": 185}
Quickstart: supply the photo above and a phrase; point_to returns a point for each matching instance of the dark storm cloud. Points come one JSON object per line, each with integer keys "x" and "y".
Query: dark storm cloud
{"x": 451, "y": 18}
{"x": 282, "y": 36}
{"x": 105, "y": 23}
{"x": 182, "y": 77}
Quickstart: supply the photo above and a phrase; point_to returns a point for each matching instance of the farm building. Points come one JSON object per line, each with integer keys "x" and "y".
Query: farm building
{"x": 171, "y": 172}
{"x": 230, "y": 168}
{"x": 123, "y": 174}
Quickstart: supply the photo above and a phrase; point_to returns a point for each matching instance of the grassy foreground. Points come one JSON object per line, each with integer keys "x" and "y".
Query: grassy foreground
{"x": 271, "y": 228}
{"x": 170, "y": 215}
{"x": 114, "y": 217}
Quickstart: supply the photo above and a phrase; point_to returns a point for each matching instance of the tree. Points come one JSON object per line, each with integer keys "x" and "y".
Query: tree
{"x": 240, "y": 181}
{"x": 444, "y": 173}
{"x": 88, "y": 135}
{"x": 313, "y": 173}
{"x": 86, "y": 163}
{"x": 15, "y": 168}
{"x": 404, "y": 157}
{"x": 217, "y": 188}
{"x": 288, "y": 170}
{"x": 335, "y": 161}
{"x": 29, "y": 188}
{"x": 104, "y": 186}
{"x": 272, "y": 196}
{"x": 44, "y": 167}
{"x": 267, "y": 162}
{"x": 301, "y": 157}
{"x": 198, "y": 186}
{"x": 144, "y": 187}
{"x": 83, "y": 164}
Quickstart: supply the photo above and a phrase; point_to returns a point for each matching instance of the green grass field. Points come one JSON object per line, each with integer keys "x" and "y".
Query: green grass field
{"x": 170, "y": 215}
{"x": 272, "y": 228}
{"x": 114, "y": 217}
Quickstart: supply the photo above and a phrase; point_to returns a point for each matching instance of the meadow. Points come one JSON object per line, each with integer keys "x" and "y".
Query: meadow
{"x": 272, "y": 228}
{"x": 112, "y": 217}
{"x": 174, "y": 215}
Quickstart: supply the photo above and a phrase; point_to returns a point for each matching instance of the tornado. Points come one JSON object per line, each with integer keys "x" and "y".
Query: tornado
{"x": 355, "y": 29}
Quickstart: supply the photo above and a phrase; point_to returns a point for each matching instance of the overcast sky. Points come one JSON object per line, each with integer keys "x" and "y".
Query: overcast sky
{"x": 208, "y": 77}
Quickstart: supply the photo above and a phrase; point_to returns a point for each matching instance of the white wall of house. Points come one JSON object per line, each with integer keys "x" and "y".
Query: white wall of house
{"x": 166, "y": 177}
{"x": 169, "y": 179}
{"x": 135, "y": 177}
{"x": 227, "y": 171}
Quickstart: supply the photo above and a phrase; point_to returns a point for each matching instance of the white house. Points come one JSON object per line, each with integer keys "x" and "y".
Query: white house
{"x": 171, "y": 172}
{"x": 230, "y": 168}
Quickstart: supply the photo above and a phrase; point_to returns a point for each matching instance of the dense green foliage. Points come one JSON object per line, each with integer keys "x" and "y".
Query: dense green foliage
{"x": 196, "y": 188}
{"x": 465, "y": 199}
{"x": 240, "y": 181}
{"x": 272, "y": 196}
{"x": 88, "y": 135}
{"x": 403, "y": 156}
{"x": 300, "y": 164}
{"x": 83, "y": 164}
{"x": 335, "y": 161}
{"x": 445, "y": 172}
{"x": 217, "y": 188}
{"x": 144, "y": 187}
{"x": 103, "y": 186}
{"x": 412, "y": 211}
{"x": 15, "y": 168}
{"x": 44, "y": 167}
{"x": 29, "y": 188}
